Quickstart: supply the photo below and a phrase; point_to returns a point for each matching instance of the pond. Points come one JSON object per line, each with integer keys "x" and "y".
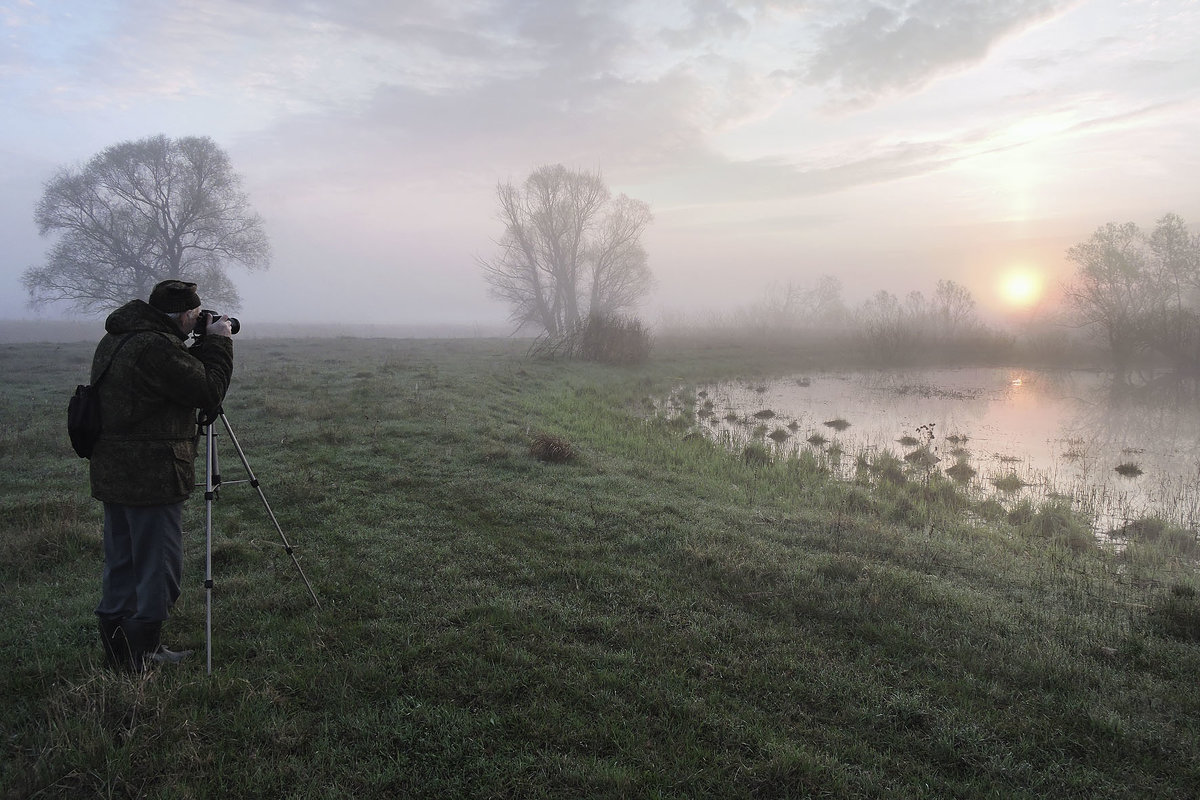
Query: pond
{"x": 1120, "y": 450}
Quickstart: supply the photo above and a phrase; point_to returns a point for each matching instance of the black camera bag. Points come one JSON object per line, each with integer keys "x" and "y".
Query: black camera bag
{"x": 83, "y": 411}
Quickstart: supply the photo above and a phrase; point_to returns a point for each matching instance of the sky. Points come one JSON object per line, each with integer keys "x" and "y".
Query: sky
{"x": 890, "y": 143}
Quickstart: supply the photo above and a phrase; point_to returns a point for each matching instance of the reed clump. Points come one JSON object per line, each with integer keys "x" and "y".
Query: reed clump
{"x": 756, "y": 454}
{"x": 1056, "y": 522}
{"x": 922, "y": 457}
{"x": 615, "y": 339}
{"x": 1161, "y": 535}
{"x": 888, "y": 468}
{"x": 961, "y": 471}
{"x": 1009, "y": 483}
{"x": 780, "y": 435}
{"x": 551, "y": 448}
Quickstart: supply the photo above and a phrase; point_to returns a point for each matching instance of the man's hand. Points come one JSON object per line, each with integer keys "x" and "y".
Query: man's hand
{"x": 219, "y": 326}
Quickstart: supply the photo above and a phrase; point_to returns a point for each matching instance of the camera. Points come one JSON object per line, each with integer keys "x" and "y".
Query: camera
{"x": 207, "y": 315}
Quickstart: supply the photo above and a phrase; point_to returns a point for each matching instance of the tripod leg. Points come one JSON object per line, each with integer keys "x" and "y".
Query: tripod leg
{"x": 254, "y": 482}
{"x": 211, "y": 482}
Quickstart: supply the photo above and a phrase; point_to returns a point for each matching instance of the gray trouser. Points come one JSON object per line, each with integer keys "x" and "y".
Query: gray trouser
{"x": 143, "y": 561}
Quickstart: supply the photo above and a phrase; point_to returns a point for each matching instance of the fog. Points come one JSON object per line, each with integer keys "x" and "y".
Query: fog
{"x": 63, "y": 331}
{"x": 892, "y": 147}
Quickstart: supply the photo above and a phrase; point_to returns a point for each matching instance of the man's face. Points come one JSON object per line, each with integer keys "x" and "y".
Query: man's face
{"x": 187, "y": 320}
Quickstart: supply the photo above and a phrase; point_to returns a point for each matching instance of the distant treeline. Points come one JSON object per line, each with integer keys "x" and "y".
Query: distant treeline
{"x": 885, "y": 329}
{"x": 1134, "y": 300}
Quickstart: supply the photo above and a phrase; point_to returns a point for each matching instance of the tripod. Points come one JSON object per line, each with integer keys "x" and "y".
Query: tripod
{"x": 212, "y": 483}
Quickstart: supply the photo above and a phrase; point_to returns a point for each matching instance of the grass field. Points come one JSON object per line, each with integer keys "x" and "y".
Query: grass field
{"x": 655, "y": 617}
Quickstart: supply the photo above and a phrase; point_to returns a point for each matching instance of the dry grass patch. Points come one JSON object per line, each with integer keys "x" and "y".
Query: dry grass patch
{"x": 550, "y": 448}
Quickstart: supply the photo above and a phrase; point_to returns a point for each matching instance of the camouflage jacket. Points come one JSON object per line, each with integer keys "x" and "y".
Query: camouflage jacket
{"x": 148, "y": 399}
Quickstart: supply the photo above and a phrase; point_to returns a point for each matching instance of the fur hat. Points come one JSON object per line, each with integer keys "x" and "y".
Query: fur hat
{"x": 174, "y": 295}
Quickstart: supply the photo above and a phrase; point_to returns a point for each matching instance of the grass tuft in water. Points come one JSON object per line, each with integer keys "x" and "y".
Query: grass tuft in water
{"x": 1009, "y": 483}
{"x": 961, "y": 472}
{"x": 1160, "y": 534}
{"x": 922, "y": 457}
{"x": 780, "y": 435}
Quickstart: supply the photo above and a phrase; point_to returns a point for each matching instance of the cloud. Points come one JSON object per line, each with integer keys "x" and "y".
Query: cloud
{"x": 281, "y": 57}
{"x": 554, "y": 88}
{"x": 716, "y": 181}
{"x": 356, "y": 93}
{"x": 766, "y": 179}
{"x": 881, "y": 48}
{"x": 707, "y": 20}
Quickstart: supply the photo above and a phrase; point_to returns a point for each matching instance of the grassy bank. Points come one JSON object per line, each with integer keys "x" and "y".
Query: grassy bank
{"x": 653, "y": 618}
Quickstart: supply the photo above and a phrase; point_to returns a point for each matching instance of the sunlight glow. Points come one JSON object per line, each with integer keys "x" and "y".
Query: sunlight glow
{"x": 1021, "y": 287}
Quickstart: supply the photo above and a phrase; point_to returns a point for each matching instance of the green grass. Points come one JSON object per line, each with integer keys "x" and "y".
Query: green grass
{"x": 656, "y": 617}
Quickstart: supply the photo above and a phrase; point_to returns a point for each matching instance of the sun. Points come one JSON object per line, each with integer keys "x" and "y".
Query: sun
{"x": 1021, "y": 287}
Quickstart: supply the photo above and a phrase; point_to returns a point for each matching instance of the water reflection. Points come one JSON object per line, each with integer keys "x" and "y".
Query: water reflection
{"x": 1058, "y": 432}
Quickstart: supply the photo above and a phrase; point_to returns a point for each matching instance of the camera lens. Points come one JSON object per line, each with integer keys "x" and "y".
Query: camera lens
{"x": 207, "y": 316}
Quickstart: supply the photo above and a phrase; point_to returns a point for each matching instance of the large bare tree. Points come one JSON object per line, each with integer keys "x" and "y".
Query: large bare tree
{"x": 1142, "y": 290}
{"x": 1112, "y": 289}
{"x": 570, "y": 249}
{"x": 140, "y": 212}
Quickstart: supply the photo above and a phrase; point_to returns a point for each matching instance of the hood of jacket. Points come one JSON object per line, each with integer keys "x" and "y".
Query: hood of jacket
{"x": 137, "y": 316}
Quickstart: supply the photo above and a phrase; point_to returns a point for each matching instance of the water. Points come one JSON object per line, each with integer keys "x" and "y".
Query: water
{"x": 1061, "y": 433}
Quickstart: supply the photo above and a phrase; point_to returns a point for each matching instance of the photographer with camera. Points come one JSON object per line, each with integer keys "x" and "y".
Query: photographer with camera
{"x": 142, "y": 467}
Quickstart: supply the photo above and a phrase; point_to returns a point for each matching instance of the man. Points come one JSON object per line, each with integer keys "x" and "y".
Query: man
{"x": 143, "y": 466}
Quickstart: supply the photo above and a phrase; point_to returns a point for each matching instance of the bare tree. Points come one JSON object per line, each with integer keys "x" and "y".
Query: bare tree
{"x": 781, "y": 308}
{"x": 1111, "y": 287}
{"x": 1139, "y": 289}
{"x": 885, "y": 327}
{"x": 569, "y": 250}
{"x": 1176, "y": 260}
{"x": 826, "y": 308}
{"x": 140, "y": 212}
{"x": 953, "y": 309}
{"x": 618, "y": 271}
{"x": 795, "y": 306}
{"x": 944, "y": 323}
{"x": 1173, "y": 329}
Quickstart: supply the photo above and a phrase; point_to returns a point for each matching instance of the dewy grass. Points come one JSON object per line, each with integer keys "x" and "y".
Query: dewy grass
{"x": 654, "y": 617}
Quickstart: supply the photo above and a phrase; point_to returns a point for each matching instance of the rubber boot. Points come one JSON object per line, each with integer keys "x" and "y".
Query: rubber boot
{"x": 114, "y": 644}
{"x": 145, "y": 645}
